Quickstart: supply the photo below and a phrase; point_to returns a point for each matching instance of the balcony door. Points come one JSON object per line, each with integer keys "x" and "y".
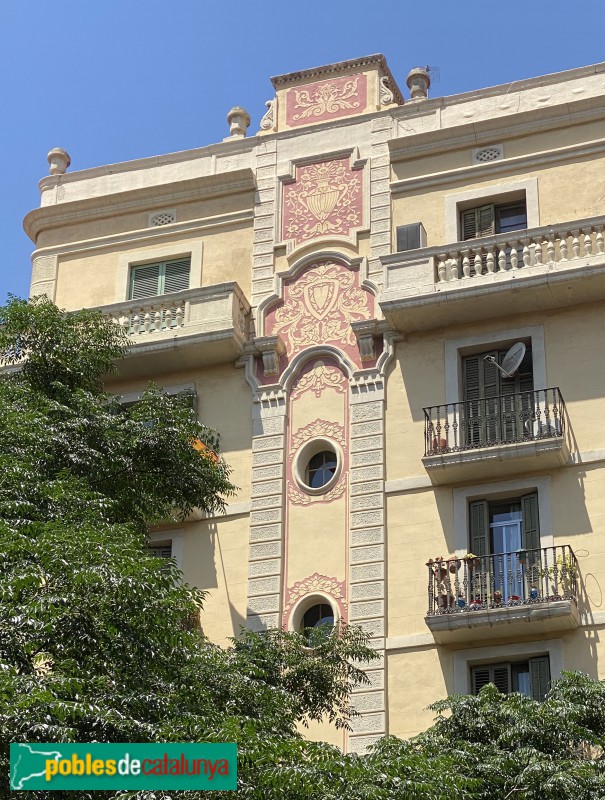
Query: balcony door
{"x": 496, "y": 409}
{"x": 507, "y": 534}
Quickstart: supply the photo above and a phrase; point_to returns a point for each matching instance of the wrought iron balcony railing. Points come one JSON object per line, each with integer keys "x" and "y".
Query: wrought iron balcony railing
{"x": 521, "y": 578}
{"x": 492, "y": 421}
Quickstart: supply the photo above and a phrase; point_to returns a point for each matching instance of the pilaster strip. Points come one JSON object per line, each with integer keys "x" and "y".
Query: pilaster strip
{"x": 367, "y": 592}
{"x": 265, "y": 560}
{"x": 264, "y": 221}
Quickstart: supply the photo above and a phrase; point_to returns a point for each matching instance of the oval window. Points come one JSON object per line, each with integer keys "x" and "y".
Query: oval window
{"x": 321, "y": 469}
{"x": 318, "y": 615}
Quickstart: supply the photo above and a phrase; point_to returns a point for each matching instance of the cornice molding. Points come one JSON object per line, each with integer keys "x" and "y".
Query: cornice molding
{"x": 134, "y": 200}
{"x": 142, "y": 235}
{"x": 476, "y": 172}
{"x": 340, "y": 67}
{"x": 485, "y": 131}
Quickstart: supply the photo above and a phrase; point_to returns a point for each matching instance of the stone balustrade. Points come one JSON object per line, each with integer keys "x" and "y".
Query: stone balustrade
{"x": 495, "y": 258}
{"x": 518, "y": 250}
{"x": 207, "y": 309}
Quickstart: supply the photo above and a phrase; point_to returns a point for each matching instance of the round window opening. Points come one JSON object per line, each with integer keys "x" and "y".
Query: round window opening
{"x": 321, "y": 469}
{"x": 317, "y": 466}
{"x": 316, "y": 616}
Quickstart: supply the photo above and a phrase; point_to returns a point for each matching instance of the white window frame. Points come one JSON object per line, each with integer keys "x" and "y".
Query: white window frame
{"x": 164, "y": 252}
{"x": 499, "y": 491}
{"x": 465, "y": 659}
{"x": 455, "y": 349}
{"x": 172, "y": 537}
{"x": 497, "y": 193}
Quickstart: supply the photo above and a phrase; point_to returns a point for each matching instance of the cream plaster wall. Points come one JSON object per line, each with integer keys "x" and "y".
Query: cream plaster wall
{"x": 416, "y": 678}
{"x": 90, "y": 279}
{"x": 567, "y": 190}
{"x": 215, "y": 559}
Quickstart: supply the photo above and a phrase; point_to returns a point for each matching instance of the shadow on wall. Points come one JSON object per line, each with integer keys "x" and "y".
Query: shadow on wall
{"x": 207, "y": 576}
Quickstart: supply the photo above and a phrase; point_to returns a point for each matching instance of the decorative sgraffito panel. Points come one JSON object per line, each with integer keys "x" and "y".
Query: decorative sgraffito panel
{"x": 318, "y": 307}
{"x": 325, "y": 199}
{"x": 324, "y": 100}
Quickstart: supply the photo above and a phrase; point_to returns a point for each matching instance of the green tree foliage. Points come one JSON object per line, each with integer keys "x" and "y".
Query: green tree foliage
{"x": 97, "y": 641}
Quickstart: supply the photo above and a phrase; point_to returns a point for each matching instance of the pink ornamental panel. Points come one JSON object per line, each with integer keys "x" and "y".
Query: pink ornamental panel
{"x": 323, "y": 100}
{"x": 318, "y": 307}
{"x": 324, "y": 200}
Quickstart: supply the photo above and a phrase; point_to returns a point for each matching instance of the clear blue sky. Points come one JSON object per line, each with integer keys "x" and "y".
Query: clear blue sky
{"x": 113, "y": 80}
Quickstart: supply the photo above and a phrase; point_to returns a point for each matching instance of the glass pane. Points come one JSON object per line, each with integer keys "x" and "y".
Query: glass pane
{"x": 321, "y": 469}
{"x": 511, "y": 218}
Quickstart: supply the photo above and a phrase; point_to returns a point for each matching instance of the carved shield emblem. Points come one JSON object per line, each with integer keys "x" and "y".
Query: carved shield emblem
{"x": 321, "y": 297}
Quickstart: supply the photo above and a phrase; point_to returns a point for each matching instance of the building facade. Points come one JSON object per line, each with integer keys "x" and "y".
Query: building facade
{"x": 392, "y": 312}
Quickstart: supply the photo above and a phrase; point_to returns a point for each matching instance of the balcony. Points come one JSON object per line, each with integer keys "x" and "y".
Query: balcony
{"x": 497, "y": 596}
{"x": 495, "y": 436}
{"x": 196, "y": 327}
{"x": 439, "y": 286}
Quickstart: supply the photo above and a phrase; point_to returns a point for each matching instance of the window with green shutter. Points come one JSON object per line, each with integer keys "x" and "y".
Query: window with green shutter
{"x": 504, "y": 526}
{"x": 162, "y": 277}
{"x": 531, "y": 677}
{"x": 489, "y": 219}
{"x": 496, "y": 408}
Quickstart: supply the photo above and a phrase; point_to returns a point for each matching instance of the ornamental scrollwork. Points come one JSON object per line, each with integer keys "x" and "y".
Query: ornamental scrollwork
{"x": 328, "y": 98}
{"x": 320, "y": 377}
{"x": 320, "y": 307}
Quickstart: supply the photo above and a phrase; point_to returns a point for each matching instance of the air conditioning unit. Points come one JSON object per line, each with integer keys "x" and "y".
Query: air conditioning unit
{"x": 410, "y": 237}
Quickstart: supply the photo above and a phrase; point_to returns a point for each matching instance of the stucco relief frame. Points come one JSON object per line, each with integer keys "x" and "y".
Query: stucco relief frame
{"x": 286, "y": 174}
{"x": 301, "y": 263}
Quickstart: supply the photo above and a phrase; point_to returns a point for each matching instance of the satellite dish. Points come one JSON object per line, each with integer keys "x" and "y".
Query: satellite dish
{"x": 511, "y": 361}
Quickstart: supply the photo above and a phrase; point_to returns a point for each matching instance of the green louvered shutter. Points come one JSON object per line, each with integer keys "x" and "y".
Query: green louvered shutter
{"x": 161, "y": 551}
{"x": 498, "y": 674}
{"x": 476, "y": 222}
{"x": 530, "y": 521}
{"x": 539, "y": 676}
{"x": 501, "y": 677}
{"x": 517, "y": 400}
{"x": 479, "y": 524}
{"x": 480, "y": 678}
{"x": 145, "y": 281}
{"x": 481, "y": 385}
{"x": 176, "y": 275}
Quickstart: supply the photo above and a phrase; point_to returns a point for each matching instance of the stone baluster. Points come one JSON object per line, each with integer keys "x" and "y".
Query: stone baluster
{"x": 599, "y": 240}
{"x": 147, "y": 322}
{"x": 157, "y": 320}
{"x": 526, "y": 253}
{"x": 587, "y": 244}
{"x": 180, "y": 317}
{"x": 466, "y": 264}
{"x": 514, "y": 258}
{"x": 575, "y": 244}
{"x": 136, "y": 323}
{"x": 478, "y": 265}
{"x": 550, "y": 249}
{"x": 454, "y": 269}
{"x": 489, "y": 260}
{"x": 563, "y": 247}
{"x": 442, "y": 269}
{"x": 501, "y": 261}
{"x": 538, "y": 250}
